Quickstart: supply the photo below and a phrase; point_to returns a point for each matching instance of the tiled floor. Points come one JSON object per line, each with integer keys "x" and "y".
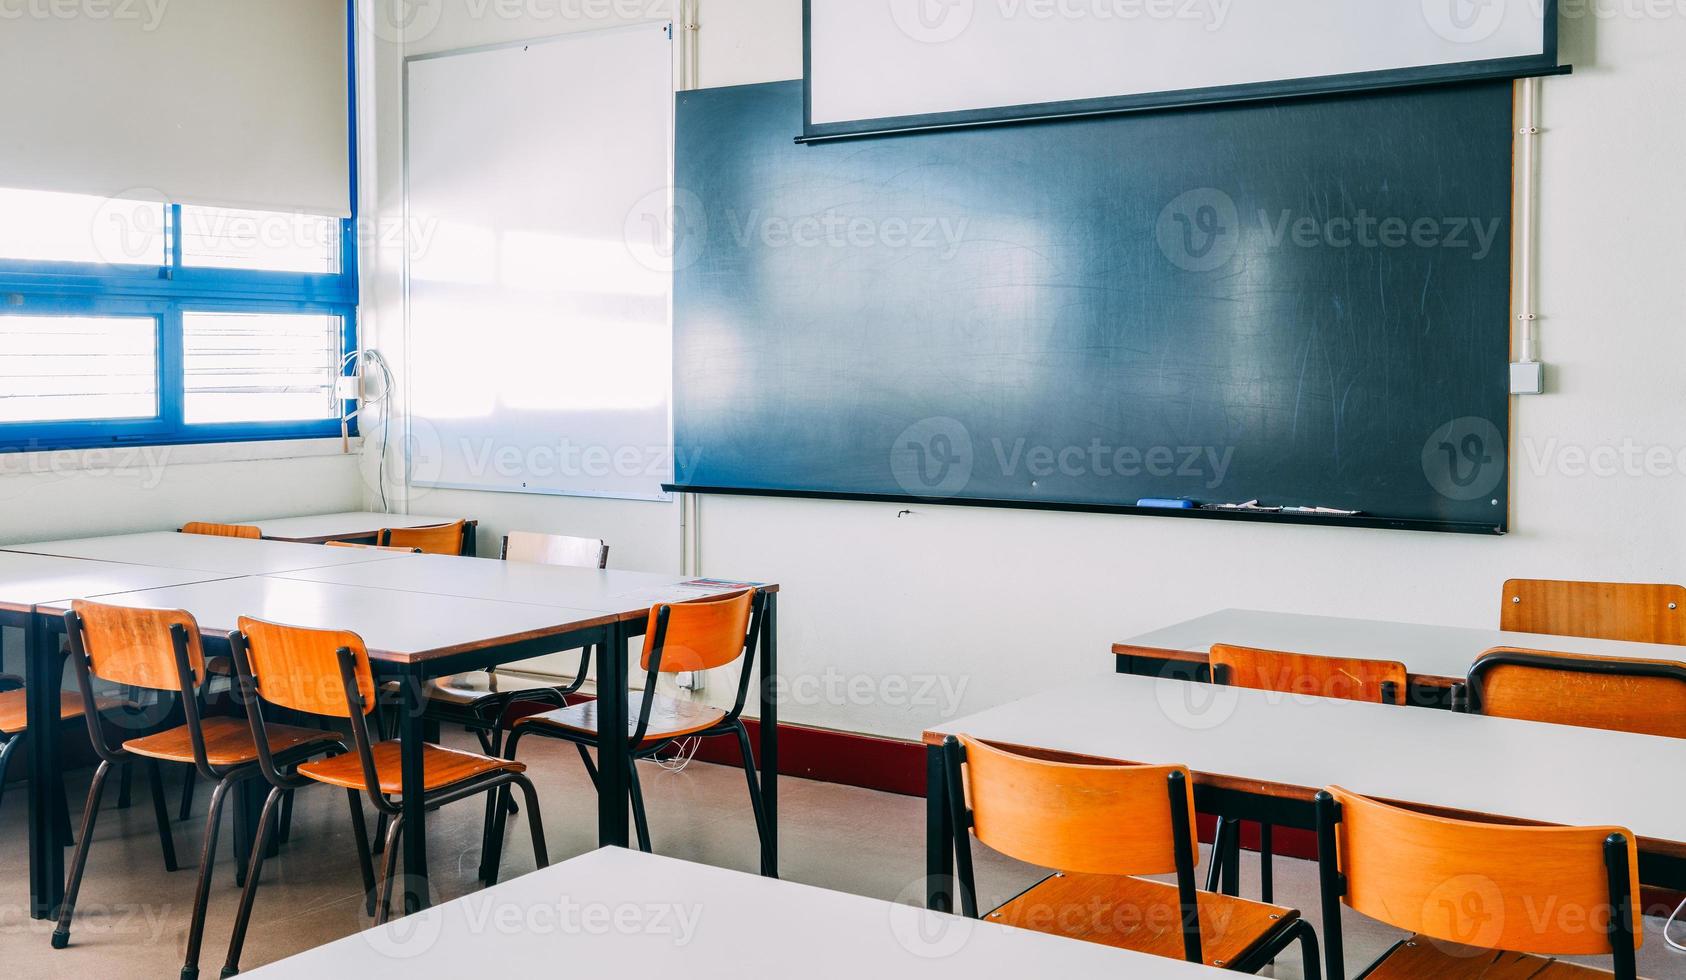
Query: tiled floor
{"x": 132, "y": 919}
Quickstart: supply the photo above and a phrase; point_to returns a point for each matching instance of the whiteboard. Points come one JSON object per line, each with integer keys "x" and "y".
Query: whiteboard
{"x": 928, "y": 60}
{"x": 538, "y": 267}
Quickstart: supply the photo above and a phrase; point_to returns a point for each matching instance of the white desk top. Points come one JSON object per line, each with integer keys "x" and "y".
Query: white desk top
{"x": 26, "y": 580}
{"x": 330, "y": 527}
{"x": 615, "y": 913}
{"x": 207, "y": 553}
{"x": 514, "y": 581}
{"x": 1440, "y": 651}
{"x": 398, "y": 626}
{"x": 1472, "y": 763}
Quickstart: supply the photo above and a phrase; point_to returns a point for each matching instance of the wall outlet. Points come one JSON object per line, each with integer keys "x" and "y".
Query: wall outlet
{"x": 348, "y": 389}
{"x": 688, "y": 680}
{"x": 1527, "y": 378}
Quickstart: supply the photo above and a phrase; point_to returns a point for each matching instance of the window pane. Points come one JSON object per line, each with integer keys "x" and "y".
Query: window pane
{"x": 41, "y": 226}
{"x": 63, "y": 368}
{"x": 271, "y": 241}
{"x": 260, "y": 367}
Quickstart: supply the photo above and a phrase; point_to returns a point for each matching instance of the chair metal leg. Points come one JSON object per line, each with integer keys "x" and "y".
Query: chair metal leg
{"x": 286, "y": 831}
{"x": 1220, "y": 851}
{"x": 6, "y": 749}
{"x": 535, "y": 826}
{"x": 389, "y": 864}
{"x": 360, "y": 829}
{"x": 61, "y": 935}
{"x": 161, "y": 812}
{"x": 492, "y": 849}
{"x": 755, "y": 800}
{"x": 202, "y": 895}
{"x": 249, "y": 894}
{"x": 187, "y": 782}
{"x": 126, "y": 787}
{"x": 640, "y": 821}
{"x": 590, "y": 766}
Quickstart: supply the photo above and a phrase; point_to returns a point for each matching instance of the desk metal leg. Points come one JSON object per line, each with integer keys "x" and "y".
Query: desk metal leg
{"x": 770, "y": 733}
{"x": 939, "y": 835}
{"x": 45, "y": 674}
{"x": 614, "y": 753}
{"x": 412, "y": 732}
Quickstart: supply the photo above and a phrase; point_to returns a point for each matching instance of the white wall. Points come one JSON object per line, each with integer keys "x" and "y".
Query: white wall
{"x": 880, "y": 613}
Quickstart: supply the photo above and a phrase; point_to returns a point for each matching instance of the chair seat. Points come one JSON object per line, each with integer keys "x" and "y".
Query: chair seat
{"x": 442, "y": 768}
{"x": 468, "y": 690}
{"x": 669, "y": 718}
{"x": 1424, "y": 959}
{"x": 14, "y": 713}
{"x": 1143, "y": 916}
{"x": 219, "y": 666}
{"x": 228, "y": 742}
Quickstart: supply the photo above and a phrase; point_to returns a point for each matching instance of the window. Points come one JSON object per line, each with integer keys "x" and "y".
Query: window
{"x": 260, "y": 367}
{"x": 269, "y": 240}
{"x": 41, "y": 226}
{"x": 58, "y": 368}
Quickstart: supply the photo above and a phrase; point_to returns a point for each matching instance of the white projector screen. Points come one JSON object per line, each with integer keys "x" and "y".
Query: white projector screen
{"x": 538, "y": 206}
{"x": 890, "y": 65}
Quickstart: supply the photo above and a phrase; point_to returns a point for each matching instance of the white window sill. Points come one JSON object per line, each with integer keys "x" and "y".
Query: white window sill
{"x": 116, "y": 459}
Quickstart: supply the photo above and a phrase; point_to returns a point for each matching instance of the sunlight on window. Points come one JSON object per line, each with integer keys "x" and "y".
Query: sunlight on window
{"x": 67, "y": 368}
{"x": 44, "y": 226}
{"x": 260, "y": 367}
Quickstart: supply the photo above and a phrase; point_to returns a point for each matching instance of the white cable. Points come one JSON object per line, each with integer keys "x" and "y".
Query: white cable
{"x": 679, "y": 760}
{"x": 1677, "y": 947}
{"x": 382, "y": 402}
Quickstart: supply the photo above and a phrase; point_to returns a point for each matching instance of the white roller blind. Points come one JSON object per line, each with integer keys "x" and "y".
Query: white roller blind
{"x": 231, "y": 103}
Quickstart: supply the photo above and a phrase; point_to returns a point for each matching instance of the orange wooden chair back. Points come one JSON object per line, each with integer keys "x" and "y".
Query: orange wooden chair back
{"x": 222, "y": 530}
{"x": 1301, "y": 673}
{"x": 700, "y": 635}
{"x": 440, "y": 539}
{"x": 134, "y": 646}
{"x": 1107, "y": 820}
{"x": 1646, "y": 697}
{"x": 1521, "y": 889}
{"x": 299, "y": 668}
{"x": 1604, "y": 610}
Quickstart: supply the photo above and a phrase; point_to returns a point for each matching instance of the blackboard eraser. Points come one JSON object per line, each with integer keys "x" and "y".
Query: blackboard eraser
{"x": 1165, "y": 504}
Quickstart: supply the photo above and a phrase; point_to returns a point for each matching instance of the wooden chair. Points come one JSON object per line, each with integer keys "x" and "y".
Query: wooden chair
{"x": 1604, "y": 610}
{"x": 440, "y": 539}
{"x": 14, "y": 734}
{"x": 326, "y": 673}
{"x": 1484, "y": 901}
{"x": 1099, "y": 827}
{"x": 222, "y": 530}
{"x": 691, "y": 636}
{"x": 160, "y": 650}
{"x": 555, "y": 549}
{"x": 1647, "y": 697}
{"x": 1345, "y": 678}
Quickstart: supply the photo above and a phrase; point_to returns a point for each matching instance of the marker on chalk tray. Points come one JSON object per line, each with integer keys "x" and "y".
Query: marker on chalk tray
{"x": 1160, "y": 503}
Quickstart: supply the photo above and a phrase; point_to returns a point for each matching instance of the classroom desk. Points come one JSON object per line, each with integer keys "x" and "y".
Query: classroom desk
{"x": 1436, "y": 656}
{"x": 411, "y": 637}
{"x": 204, "y": 552}
{"x": 625, "y": 596}
{"x": 26, "y": 581}
{"x": 357, "y": 526}
{"x": 1260, "y": 755}
{"x": 621, "y": 913}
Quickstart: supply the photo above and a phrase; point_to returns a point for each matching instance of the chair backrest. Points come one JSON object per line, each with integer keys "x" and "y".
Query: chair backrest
{"x": 1521, "y": 889}
{"x": 222, "y": 530}
{"x": 440, "y": 539}
{"x": 135, "y": 647}
{"x": 1109, "y": 820}
{"x": 1376, "y": 681}
{"x": 299, "y": 668}
{"x": 699, "y": 635}
{"x": 1647, "y": 697}
{"x": 373, "y": 547}
{"x": 555, "y": 549}
{"x": 1605, "y": 610}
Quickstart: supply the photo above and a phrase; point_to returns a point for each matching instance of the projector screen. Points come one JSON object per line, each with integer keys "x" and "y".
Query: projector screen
{"x": 893, "y": 65}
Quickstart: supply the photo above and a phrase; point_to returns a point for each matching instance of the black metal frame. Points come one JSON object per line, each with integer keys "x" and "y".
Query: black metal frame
{"x": 1469, "y": 71}
{"x": 951, "y": 761}
{"x": 1468, "y": 696}
{"x": 226, "y": 778}
{"x": 378, "y": 896}
{"x": 638, "y": 748}
{"x": 1333, "y": 887}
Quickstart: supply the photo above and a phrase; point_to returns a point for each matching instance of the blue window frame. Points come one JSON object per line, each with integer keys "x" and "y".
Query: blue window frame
{"x": 167, "y": 293}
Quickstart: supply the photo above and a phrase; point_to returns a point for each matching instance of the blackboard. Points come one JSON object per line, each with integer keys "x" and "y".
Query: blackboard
{"x": 1305, "y": 304}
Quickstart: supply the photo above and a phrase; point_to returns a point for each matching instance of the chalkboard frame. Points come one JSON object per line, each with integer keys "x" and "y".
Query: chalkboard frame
{"x": 1542, "y": 65}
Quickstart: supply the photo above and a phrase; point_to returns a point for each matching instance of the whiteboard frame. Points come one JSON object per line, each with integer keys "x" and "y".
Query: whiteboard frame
{"x": 663, "y": 495}
{"x": 1543, "y": 64}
